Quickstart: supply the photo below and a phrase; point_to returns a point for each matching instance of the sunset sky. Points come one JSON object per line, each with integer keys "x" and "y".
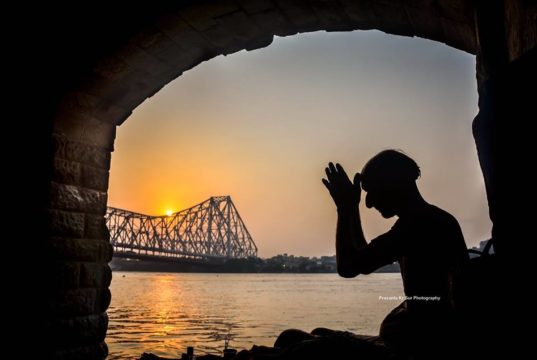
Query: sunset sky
{"x": 262, "y": 125}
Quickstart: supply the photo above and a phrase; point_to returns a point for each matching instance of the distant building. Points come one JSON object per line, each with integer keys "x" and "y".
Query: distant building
{"x": 481, "y": 248}
{"x": 329, "y": 262}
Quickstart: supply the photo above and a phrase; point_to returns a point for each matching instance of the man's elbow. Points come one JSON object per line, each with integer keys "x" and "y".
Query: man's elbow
{"x": 347, "y": 273}
{"x": 366, "y": 271}
{"x": 354, "y": 272}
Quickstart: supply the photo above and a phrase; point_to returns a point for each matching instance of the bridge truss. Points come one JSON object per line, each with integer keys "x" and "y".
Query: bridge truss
{"x": 209, "y": 230}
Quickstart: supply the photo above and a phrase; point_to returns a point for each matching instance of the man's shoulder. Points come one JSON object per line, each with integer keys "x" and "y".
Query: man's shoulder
{"x": 434, "y": 211}
{"x": 429, "y": 218}
{"x": 441, "y": 219}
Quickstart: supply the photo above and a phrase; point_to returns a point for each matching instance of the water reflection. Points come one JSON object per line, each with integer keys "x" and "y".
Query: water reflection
{"x": 165, "y": 313}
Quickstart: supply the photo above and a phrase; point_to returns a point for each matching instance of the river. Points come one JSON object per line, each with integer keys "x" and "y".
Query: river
{"x": 163, "y": 313}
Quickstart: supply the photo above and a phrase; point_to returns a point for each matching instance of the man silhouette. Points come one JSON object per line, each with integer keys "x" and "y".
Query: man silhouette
{"x": 425, "y": 240}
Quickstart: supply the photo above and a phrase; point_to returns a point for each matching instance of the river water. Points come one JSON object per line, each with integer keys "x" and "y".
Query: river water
{"x": 163, "y": 313}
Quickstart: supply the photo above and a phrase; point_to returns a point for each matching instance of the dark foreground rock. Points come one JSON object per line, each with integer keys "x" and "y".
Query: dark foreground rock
{"x": 326, "y": 349}
{"x": 149, "y": 356}
{"x": 320, "y": 344}
{"x": 255, "y": 353}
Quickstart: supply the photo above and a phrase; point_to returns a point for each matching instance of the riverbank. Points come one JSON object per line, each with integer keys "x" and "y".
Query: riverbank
{"x": 247, "y": 266}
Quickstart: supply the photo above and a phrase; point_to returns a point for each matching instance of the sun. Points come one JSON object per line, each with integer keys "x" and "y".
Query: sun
{"x": 169, "y": 212}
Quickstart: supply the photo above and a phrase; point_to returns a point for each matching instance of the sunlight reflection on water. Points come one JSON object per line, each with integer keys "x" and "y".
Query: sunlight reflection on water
{"x": 165, "y": 313}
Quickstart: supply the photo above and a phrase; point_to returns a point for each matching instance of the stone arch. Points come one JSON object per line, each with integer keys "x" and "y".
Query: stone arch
{"x": 154, "y": 49}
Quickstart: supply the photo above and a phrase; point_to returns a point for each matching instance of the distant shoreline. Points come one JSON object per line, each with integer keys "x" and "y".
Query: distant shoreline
{"x": 233, "y": 267}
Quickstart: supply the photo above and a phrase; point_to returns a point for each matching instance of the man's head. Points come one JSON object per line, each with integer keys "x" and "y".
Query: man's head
{"x": 388, "y": 178}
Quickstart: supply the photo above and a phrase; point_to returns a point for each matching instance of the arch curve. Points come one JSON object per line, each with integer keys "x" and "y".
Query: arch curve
{"x": 179, "y": 40}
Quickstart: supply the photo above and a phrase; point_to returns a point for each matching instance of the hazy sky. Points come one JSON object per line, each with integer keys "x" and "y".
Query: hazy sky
{"x": 261, "y": 126}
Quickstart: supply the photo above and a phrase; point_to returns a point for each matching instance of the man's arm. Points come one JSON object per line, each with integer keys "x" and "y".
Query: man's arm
{"x": 349, "y": 240}
{"x": 349, "y": 234}
{"x": 353, "y": 254}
